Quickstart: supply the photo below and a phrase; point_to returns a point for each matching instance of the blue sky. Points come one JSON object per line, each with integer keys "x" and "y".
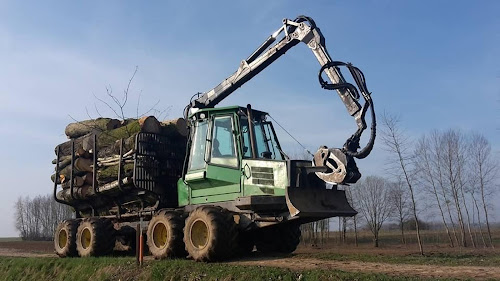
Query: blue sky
{"x": 435, "y": 63}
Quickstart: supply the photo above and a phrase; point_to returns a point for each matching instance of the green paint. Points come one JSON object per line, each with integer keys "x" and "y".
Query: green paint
{"x": 215, "y": 198}
{"x": 216, "y": 183}
{"x": 182, "y": 193}
{"x": 219, "y": 180}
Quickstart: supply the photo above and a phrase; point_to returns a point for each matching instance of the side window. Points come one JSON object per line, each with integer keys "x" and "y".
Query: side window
{"x": 260, "y": 141}
{"x": 247, "y": 152}
{"x": 266, "y": 143}
{"x": 223, "y": 150}
{"x": 197, "y": 159}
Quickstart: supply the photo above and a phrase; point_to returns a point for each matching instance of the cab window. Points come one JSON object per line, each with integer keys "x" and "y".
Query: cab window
{"x": 197, "y": 159}
{"x": 265, "y": 140}
{"x": 223, "y": 151}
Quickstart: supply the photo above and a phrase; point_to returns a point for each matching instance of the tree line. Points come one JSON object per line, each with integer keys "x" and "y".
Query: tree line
{"x": 37, "y": 218}
{"x": 448, "y": 175}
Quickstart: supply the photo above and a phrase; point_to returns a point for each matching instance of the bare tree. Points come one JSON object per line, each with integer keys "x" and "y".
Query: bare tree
{"x": 400, "y": 201}
{"x": 372, "y": 195}
{"x": 437, "y": 162}
{"x": 119, "y": 106}
{"x": 427, "y": 162}
{"x": 453, "y": 163}
{"x": 37, "y": 218}
{"x": 398, "y": 145}
{"x": 353, "y": 203}
{"x": 476, "y": 206}
{"x": 20, "y": 217}
{"x": 485, "y": 170}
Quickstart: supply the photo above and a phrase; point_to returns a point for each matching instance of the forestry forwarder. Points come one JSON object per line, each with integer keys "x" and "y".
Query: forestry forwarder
{"x": 236, "y": 188}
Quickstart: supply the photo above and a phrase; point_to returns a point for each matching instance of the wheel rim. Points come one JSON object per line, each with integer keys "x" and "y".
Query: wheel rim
{"x": 199, "y": 234}
{"x": 62, "y": 238}
{"x": 85, "y": 239}
{"x": 160, "y": 234}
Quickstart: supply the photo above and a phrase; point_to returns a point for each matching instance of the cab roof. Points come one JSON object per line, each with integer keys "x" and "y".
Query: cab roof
{"x": 234, "y": 108}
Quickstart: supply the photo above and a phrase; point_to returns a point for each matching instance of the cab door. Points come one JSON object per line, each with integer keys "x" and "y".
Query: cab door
{"x": 221, "y": 176}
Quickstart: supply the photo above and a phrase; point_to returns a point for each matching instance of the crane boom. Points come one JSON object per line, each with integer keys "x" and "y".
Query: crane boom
{"x": 302, "y": 29}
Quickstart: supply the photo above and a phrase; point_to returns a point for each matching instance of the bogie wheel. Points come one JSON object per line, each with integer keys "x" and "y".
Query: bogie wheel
{"x": 95, "y": 237}
{"x": 278, "y": 239}
{"x": 165, "y": 235}
{"x": 210, "y": 234}
{"x": 65, "y": 239}
{"x": 246, "y": 243}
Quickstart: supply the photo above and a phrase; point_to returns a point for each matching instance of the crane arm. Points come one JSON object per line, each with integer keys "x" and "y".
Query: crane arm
{"x": 302, "y": 29}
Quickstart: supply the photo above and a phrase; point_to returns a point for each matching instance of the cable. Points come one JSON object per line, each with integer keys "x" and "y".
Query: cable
{"x": 307, "y": 150}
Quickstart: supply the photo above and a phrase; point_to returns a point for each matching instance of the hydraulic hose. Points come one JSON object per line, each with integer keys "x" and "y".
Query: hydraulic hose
{"x": 352, "y": 144}
{"x": 371, "y": 142}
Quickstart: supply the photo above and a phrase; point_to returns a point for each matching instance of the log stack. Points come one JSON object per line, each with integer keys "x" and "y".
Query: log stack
{"x": 109, "y": 134}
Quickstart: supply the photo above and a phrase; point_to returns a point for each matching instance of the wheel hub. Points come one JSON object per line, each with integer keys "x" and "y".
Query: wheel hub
{"x": 86, "y": 238}
{"x": 160, "y": 234}
{"x": 62, "y": 238}
{"x": 199, "y": 234}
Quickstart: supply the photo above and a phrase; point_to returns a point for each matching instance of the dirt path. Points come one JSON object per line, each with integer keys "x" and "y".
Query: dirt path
{"x": 426, "y": 271}
{"x": 7, "y": 252}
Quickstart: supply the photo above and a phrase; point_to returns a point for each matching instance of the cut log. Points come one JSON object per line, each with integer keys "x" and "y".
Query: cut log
{"x": 86, "y": 191}
{"x": 113, "y": 186}
{"x": 59, "y": 179}
{"x": 109, "y": 174}
{"x": 82, "y": 153}
{"x": 149, "y": 124}
{"x": 64, "y": 163}
{"x": 179, "y": 125}
{"x": 78, "y": 129}
{"x": 106, "y": 140}
{"x": 82, "y": 192}
{"x": 62, "y": 159}
{"x": 83, "y": 165}
{"x": 66, "y": 146}
{"x": 88, "y": 178}
{"x": 77, "y": 181}
{"x": 128, "y": 144}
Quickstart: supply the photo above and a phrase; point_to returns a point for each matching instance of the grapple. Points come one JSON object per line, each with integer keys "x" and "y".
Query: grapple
{"x": 309, "y": 195}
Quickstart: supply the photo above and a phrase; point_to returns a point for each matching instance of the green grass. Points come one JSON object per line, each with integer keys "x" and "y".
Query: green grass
{"x": 125, "y": 269}
{"x": 448, "y": 259}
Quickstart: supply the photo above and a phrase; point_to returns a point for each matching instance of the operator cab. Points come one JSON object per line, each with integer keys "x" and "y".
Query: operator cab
{"x": 224, "y": 137}
{"x": 231, "y": 157}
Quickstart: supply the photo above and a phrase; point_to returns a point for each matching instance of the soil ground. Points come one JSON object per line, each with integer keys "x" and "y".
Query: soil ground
{"x": 306, "y": 258}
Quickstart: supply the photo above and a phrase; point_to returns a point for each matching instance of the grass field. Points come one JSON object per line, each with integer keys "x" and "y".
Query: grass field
{"x": 126, "y": 269}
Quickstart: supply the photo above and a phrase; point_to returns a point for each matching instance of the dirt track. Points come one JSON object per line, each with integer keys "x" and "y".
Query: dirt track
{"x": 427, "y": 271}
{"x": 301, "y": 261}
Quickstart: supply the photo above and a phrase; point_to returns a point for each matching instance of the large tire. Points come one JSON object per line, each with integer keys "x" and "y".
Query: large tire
{"x": 246, "y": 242}
{"x": 278, "y": 239}
{"x": 65, "y": 239}
{"x": 165, "y": 235}
{"x": 95, "y": 237}
{"x": 210, "y": 234}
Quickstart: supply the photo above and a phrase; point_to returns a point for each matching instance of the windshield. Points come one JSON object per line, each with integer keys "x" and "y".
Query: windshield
{"x": 266, "y": 143}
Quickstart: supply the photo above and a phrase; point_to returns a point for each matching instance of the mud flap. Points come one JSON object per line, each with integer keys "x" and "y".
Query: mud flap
{"x": 318, "y": 203}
